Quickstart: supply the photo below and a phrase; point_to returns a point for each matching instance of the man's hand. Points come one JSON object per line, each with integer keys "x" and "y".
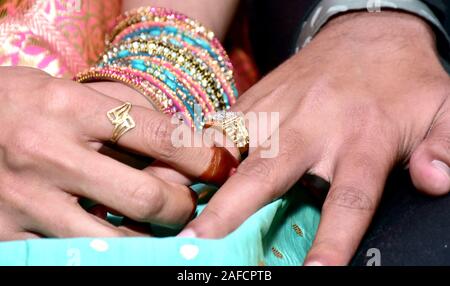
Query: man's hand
{"x": 360, "y": 98}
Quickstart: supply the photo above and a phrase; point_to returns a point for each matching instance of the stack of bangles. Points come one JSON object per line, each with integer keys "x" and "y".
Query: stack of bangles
{"x": 174, "y": 61}
{"x": 177, "y": 65}
{"x": 180, "y": 68}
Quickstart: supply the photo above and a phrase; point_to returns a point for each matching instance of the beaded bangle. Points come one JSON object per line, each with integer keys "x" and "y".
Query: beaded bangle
{"x": 162, "y": 98}
{"x": 154, "y": 95}
{"x": 174, "y": 61}
{"x": 173, "y": 78}
{"x": 192, "y": 29}
{"x": 205, "y": 73}
{"x": 165, "y": 31}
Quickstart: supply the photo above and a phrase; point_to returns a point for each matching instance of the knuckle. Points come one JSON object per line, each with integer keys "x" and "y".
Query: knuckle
{"x": 349, "y": 198}
{"x": 57, "y": 98}
{"x": 316, "y": 96}
{"x": 370, "y": 141}
{"x": 363, "y": 114}
{"x": 147, "y": 201}
{"x": 293, "y": 141}
{"x": 369, "y": 159}
{"x": 23, "y": 148}
{"x": 261, "y": 171}
{"x": 157, "y": 134}
{"x": 30, "y": 147}
{"x": 436, "y": 87}
{"x": 10, "y": 192}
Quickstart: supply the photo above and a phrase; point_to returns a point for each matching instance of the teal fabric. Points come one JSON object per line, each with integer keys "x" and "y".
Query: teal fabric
{"x": 269, "y": 237}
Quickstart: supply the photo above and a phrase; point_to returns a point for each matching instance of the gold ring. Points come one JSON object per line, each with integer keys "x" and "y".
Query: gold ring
{"x": 232, "y": 125}
{"x": 121, "y": 120}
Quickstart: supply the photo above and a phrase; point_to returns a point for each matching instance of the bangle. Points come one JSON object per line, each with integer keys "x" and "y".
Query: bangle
{"x": 208, "y": 76}
{"x": 174, "y": 79}
{"x": 175, "y": 62}
{"x": 154, "y": 95}
{"x": 173, "y": 22}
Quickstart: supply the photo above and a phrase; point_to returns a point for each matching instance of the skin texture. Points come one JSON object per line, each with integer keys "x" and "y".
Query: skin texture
{"x": 368, "y": 92}
{"x": 215, "y": 17}
{"x": 52, "y": 152}
{"x": 49, "y": 158}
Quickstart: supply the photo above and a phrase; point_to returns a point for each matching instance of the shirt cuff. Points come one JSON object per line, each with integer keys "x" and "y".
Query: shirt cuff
{"x": 329, "y": 8}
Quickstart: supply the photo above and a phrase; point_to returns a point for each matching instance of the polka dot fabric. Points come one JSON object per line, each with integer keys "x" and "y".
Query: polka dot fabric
{"x": 279, "y": 234}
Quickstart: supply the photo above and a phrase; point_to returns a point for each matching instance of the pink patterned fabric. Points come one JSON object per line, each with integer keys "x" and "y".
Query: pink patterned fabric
{"x": 61, "y": 37}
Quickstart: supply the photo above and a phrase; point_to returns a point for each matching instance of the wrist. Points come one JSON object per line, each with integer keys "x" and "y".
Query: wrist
{"x": 384, "y": 27}
{"x": 384, "y": 37}
{"x": 357, "y": 48}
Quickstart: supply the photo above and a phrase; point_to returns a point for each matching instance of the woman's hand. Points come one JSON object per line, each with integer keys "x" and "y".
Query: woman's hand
{"x": 361, "y": 97}
{"x": 51, "y": 132}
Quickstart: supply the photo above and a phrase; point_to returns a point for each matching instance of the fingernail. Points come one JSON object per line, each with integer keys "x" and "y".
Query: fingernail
{"x": 442, "y": 167}
{"x": 187, "y": 233}
{"x": 313, "y": 263}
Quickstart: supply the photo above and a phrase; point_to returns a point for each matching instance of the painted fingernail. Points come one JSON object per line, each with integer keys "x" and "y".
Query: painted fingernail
{"x": 442, "y": 167}
{"x": 187, "y": 233}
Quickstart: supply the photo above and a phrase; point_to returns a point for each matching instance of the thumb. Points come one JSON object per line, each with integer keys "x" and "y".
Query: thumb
{"x": 430, "y": 162}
